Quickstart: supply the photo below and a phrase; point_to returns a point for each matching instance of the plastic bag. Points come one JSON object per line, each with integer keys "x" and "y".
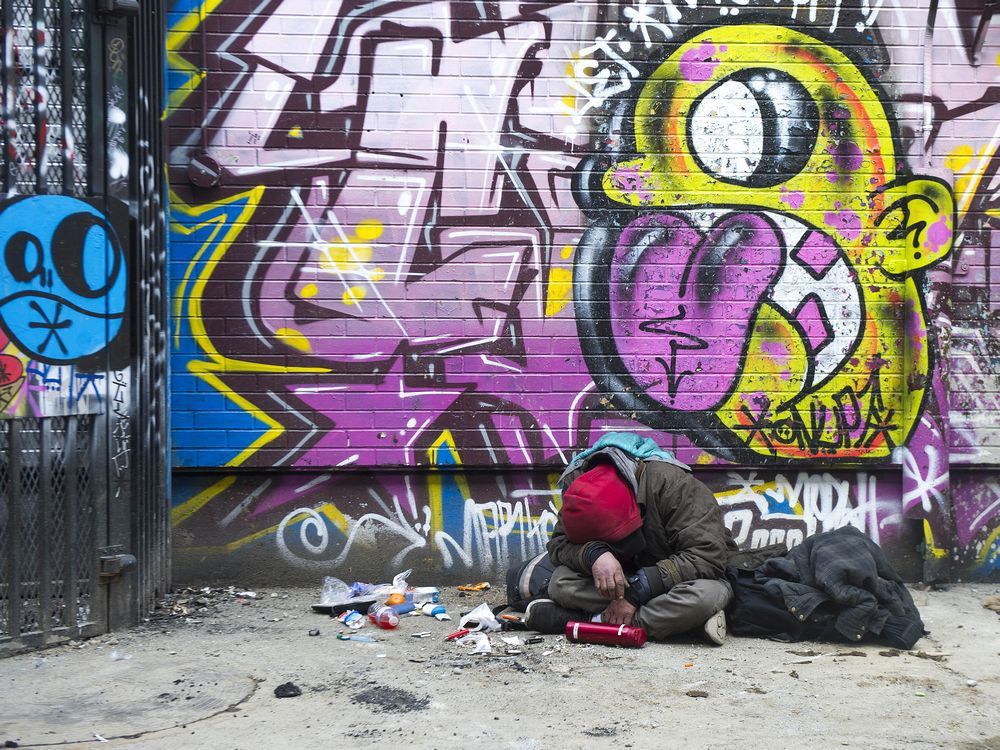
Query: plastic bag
{"x": 399, "y": 582}
{"x": 481, "y": 640}
{"x": 335, "y": 591}
{"x": 481, "y": 618}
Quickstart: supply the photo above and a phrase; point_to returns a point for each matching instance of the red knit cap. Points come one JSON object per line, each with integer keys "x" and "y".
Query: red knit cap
{"x": 599, "y": 506}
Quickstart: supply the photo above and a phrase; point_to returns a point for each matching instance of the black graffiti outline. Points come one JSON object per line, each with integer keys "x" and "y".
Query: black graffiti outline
{"x": 872, "y": 419}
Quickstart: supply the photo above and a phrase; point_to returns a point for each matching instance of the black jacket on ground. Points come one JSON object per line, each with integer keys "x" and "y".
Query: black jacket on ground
{"x": 834, "y": 586}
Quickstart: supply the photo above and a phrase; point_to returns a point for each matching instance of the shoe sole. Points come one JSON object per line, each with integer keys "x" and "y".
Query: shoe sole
{"x": 715, "y": 628}
{"x": 552, "y": 628}
{"x": 527, "y": 611}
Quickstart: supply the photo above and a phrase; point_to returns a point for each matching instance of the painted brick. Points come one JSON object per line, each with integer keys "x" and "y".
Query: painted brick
{"x": 441, "y": 239}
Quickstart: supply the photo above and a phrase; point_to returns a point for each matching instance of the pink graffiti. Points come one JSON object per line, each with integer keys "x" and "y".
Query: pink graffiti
{"x": 793, "y": 198}
{"x": 845, "y": 221}
{"x": 938, "y": 235}
{"x": 697, "y": 64}
{"x": 663, "y": 302}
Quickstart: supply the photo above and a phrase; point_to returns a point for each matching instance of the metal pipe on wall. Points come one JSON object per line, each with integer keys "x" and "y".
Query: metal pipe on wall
{"x": 927, "y": 113}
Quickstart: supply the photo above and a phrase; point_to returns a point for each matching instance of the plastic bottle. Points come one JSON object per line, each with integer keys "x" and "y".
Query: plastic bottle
{"x": 423, "y": 594}
{"x": 402, "y": 609}
{"x": 383, "y": 615}
{"x": 437, "y": 611}
{"x": 355, "y": 637}
{"x": 604, "y": 634}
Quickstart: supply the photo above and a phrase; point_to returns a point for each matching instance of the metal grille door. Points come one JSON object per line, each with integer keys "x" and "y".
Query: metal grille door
{"x": 50, "y": 501}
{"x": 47, "y": 529}
{"x": 45, "y": 90}
{"x": 82, "y": 316}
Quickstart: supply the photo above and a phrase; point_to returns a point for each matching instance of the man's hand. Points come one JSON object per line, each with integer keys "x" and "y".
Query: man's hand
{"x": 619, "y": 612}
{"x": 609, "y": 578}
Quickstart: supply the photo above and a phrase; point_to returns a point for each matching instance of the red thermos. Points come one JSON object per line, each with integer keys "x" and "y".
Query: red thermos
{"x": 606, "y": 635}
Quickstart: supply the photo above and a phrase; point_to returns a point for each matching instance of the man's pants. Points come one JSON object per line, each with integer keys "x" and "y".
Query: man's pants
{"x": 685, "y": 606}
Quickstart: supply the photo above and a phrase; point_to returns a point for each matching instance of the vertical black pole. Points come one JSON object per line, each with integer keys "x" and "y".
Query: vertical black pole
{"x": 46, "y": 540}
{"x": 38, "y": 38}
{"x": 68, "y": 98}
{"x": 71, "y": 493}
{"x": 96, "y": 87}
{"x": 119, "y": 134}
{"x": 8, "y": 94}
{"x": 15, "y": 541}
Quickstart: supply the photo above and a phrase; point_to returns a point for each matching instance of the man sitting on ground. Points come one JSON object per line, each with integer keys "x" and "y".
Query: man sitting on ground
{"x": 655, "y": 558}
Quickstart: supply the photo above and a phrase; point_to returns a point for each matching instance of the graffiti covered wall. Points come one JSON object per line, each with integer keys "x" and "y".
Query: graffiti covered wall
{"x": 62, "y": 301}
{"x": 63, "y": 255}
{"x": 423, "y": 252}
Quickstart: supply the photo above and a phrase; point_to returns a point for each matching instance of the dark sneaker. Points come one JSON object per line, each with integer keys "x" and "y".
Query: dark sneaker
{"x": 545, "y": 616}
{"x": 715, "y": 628}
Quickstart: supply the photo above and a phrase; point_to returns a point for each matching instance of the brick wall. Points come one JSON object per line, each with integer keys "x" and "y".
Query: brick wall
{"x": 414, "y": 242}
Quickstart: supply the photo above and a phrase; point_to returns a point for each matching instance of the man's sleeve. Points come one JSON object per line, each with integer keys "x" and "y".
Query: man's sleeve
{"x": 562, "y": 551}
{"x": 696, "y": 531}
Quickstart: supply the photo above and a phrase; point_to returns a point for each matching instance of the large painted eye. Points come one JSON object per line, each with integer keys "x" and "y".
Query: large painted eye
{"x": 757, "y": 128}
{"x": 24, "y": 257}
{"x": 87, "y": 255}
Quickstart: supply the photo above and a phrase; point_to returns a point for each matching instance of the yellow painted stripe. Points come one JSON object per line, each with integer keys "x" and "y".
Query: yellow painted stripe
{"x": 180, "y": 94}
{"x": 218, "y": 363}
{"x": 177, "y": 206}
{"x": 991, "y": 540}
{"x": 330, "y": 511}
{"x": 189, "y": 507}
{"x": 933, "y": 549}
{"x": 176, "y": 38}
{"x": 179, "y": 294}
{"x": 435, "y": 484}
{"x": 183, "y": 29}
{"x": 274, "y": 427}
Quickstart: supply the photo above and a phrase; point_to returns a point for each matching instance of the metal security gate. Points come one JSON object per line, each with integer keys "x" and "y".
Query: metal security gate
{"x": 83, "y": 509}
{"x": 48, "y": 529}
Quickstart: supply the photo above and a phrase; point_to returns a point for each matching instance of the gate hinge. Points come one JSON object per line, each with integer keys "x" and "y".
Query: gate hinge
{"x": 114, "y": 562}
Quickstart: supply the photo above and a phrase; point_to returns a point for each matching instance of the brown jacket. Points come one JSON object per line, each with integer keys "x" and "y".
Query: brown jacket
{"x": 682, "y": 523}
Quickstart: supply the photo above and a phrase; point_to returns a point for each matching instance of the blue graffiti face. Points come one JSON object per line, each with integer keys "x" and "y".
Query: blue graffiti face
{"x": 62, "y": 277}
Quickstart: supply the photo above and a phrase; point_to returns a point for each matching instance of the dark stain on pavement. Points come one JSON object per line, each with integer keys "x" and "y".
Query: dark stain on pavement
{"x": 391, "y": 700}
{"x": 601, "y": 732}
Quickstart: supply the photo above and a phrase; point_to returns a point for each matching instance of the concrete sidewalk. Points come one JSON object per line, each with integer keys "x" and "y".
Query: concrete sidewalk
{"x": 206, "y": 680}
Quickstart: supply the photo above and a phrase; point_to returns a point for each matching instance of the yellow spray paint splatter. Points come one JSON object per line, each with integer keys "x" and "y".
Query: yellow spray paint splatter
{"x": 354, "y": 253}
{"x": 354, "y": 295}
{"x": 294, "y": 339}
{"x": 347, "y": 256}
{"x": 560, "y": 289}
{"x": 560, "y": 285}
{"x": 368, "y": 230}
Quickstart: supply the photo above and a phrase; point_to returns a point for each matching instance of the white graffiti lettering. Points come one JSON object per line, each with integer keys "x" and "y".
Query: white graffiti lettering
{"x": 760, "y": 513}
